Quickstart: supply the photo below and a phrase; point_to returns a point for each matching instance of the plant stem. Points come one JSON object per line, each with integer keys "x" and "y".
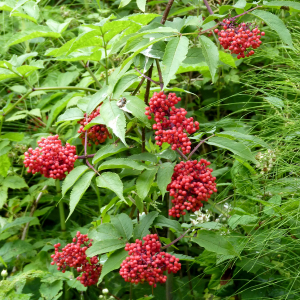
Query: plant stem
{"x": 60, "y": 207}
{"x": 91, "y": 73}
{"x": 217, "y": 207}
{"x": 15, "y": 104}
{"x": 208, "y": 7}
{"x": 181, "y": 154}
{"x": 148, "y": 78}
{"x": 196, "y": 148}
{"x": 244, "y": 13}
{"x": 176, "y": 240}
{"x": 1, "y": 122}
{"x": 166, "y": 12}
{"x": 138, "y": 87}
{"x": 64, "y": 88}
{"x": 161, "y": 83}
{"x": 86, "y": 156}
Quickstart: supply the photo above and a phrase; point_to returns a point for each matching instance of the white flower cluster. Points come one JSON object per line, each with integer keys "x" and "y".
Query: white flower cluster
{"x": 265, "y": 161}
{"x": 104, "y": 296}
{"x": 201, "y": 217}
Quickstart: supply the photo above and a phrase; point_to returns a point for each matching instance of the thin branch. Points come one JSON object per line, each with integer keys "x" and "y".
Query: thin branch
{"x": 91, "y": 167}
{"x": 15, "y": 104}
{"x": 138, "y": 87}
{"x": 244, "y": 13}
{"x": 147, "y": 92}
{"x": 64, "y": 88}
{"x": 176, "y": 240}
{"x": 181, "y": 154}
{"x": 85, "y": 137}
{"x": 86, "y": 66}
{"x": 161, "y": 82}
{"x": 148, "y": 78}
{"x": 208, "y": 7}
{"x": 86, "y": 156}
{"x": 166, "y": 12}
{"x": 196, "y": 148}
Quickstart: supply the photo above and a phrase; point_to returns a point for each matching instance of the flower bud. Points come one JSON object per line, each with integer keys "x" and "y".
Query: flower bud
{"x": 105, "y": 291}
{"x": 4, "y": 273}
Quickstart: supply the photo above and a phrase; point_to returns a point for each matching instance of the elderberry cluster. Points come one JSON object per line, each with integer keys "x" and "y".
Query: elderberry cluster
{"x": 73, "y": 255}
{"x": 191, "y": 183}
{"x": 96, "y": 134}
{"x": 171, "y": 125}
{"x": 146, "y": 263}
{"x": 238, "y": 38}
{"x": 51, "y": 159}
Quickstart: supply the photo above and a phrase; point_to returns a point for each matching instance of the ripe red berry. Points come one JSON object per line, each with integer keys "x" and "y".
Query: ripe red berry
{"x": 51, "y": 159}
{"x": 73, "y": 255}
{"x": 239, "y": 38}
{"x": 171, "y": 124}
{"x": 191, "y": 183}
{"x": 147, "y": 263}
{"x": 96, "y": 134}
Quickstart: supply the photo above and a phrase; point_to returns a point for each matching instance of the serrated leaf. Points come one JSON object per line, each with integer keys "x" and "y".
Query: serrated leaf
{"x": 79, "y": 189}
{"x": 144, "y": 182}
{"x": 214, "y": 242}
{"x": 14, "y": 182}
{"x": 240, "y": 4}
{"x": 123, "y": 224}
{"x": 175, "y": 53}
{"x": 113, "y": 262}
{"x": 276, "y": 24}
{"x": 278, "y": 4}
{"x": 114, "y": 118}
{"x": 235, "y": 147}
{"x": 236, "y": 220}
{"x": 227, "y": 59}
{"x": 194, "y": 56}
{"x": 3, "y": 195}
{"x": 122, "y": 163}
{"x": 275, "y": 101}
{"x": 142, "y": 229}
{"x": 72, "y": 177}
{"x": 124, "y": 83}
{"x": 70, "y": 114}
{"x": 146, "y": 156}
{"x": 105, "y": 231}
{"x": 136, "y": 106}
{"x": 111, "y": 181}
{"x": 211, "y": 54}
{"x": 58, "y": 27}
{"x": 164, "y": 176}
{"x": 17, "y": 222}
{"x": 105, "y": 246}
{"x": 4, "y": 165}
{"x": 108, "y": 150}
{"x": 162, "y": 221}
{"x": 12, "y": 249}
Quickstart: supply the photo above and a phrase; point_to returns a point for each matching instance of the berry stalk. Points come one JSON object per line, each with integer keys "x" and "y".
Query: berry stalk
{"x": 60, "y": 207}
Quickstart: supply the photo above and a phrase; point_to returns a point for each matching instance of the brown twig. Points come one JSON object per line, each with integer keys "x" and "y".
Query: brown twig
{"x": 86, "y": 156}
{"x": 161, "y": 83}
{"x": 176, "y": 240}
{"x": 91, "y": 167}
{"x": 148, "y": 78}
{"x": 166, "y": 12}
{"x": 208, "y": 7}
{"x": 196, "y": 148}
{"x": 181, "y": 154}
{"x": 244, "y": 13}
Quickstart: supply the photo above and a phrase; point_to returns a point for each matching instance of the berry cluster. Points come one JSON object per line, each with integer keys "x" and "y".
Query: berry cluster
{"x": 96, "y": 134}
{"x": 73, "y": 255}
{"x": 171, "y": 125}
{"x": 146, "y": 263}
{"x": 191, "y": 183}
{"x": 52, "y": 159}
{"x": 238, "y": 38}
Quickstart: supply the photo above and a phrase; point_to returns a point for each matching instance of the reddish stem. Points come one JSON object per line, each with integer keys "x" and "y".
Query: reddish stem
{"x": 176, "y": 240}
{"x": 195, "y": 149}
{"x": 148, "y": 78}
{"x": 86, "y": 156}
{"x": 208, "y": 7}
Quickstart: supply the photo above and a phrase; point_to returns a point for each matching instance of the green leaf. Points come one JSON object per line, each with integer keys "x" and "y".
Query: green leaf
{"x": 104, "y": 247}
{"x": 114, "y": 118}
{"x": 136, "y": 106}
{"x": 209, "y": 225}
{"x": 276, "y": 202}
{"x": 227, "y": 59}
{"x": 97, "y": 98}
{"x": 236, "y": 220}
{"x": 278, "y": 4}
{"x": 141, "y": 4}
{"x": 240, "y": 4}
{"x": 70, "y": 114}
{"x": 162, "y": 221}
{"x": 123, "y": 224}
{"x": 79, "y": 189}
{"x": 32, "y": 33}
{"x": 124, "y": 3}
{"x": 124, "y": 83}
{"x": 235, "y": 147}
{"x": 194, "y": 56}
{"x": 214, "y": 242}
{"x": 3, "y": 195}
{"x": 213, "y": 17}
{"x": 108, "y": 150}
{"x": 105, "y": 231}
{"x": 12, "y": 249}
{"x": 4, "y": 165}
{"x": 146, "y": 156}
{"x": 58, "y": 27}
{"x": 72, "y": 177}
{"x": 113, "y": 262}
{"x": 17, "y": 222}
{"x": 164, "y": 176}
{"x": 14, "y": 182}
{"x": 111, "y": 181}
{"x": 276, "y": 24}
{"x": 275, "y": 102}
{"x": 144, "y": 182}
{"x": 13, "y": 136}
{"x": 142, "y": 229}
{"x": 175, "y": 53}
{"x": 122, "y": 163}
{"x": 49, "y": 290}
{"x": 167, "y": 154}
{"x": 211, "y": 54}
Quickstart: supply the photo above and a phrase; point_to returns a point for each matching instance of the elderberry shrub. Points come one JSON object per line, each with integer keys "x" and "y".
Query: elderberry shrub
{"x": 238, "y": 38}
{"x": 191, "y": 183}
{"x": 96, "y": 134}
{"x": 73, "y": 255}
{"x": 171, "y": 124}
{"x": 147, "y": 263}
{"x": 52, "y": 159}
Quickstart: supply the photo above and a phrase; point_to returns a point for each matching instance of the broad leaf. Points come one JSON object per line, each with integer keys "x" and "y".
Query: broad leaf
{"x": 70, "y": 114}
{"x": 108, "y": 150}
{"x": 164, "y": 176}
{"x": 97, "y": 98}
{"x": 227, "y": 59}
{"x": 17, "y": 222}
{"x": 141, "y": 4}
{"x": 123, "y": 224}
{"x": 121, "y": 163}
{"x": 104, "y": 247}
{"x": 72, "y": 177}
{"x": 105, "y": 231}
{"x": 146, "y": 156}
{"x": 12, "y": 249}
{"x": 144, "y": 182}
{"x": 142, "y": 229}
{"x": 275, "y": 101}
{"x": 14, "y": 182}
{"x": 112, "y": 182}
{"x": 211, "y": 54}
{"x": 162, "y": 221}
{"x": 236, "y": 220}
{"x": 4, "y": 165}
{"x": 278, "y": 4}
{"x": 79, "y": 189}
{"x": 175, "y": 53}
